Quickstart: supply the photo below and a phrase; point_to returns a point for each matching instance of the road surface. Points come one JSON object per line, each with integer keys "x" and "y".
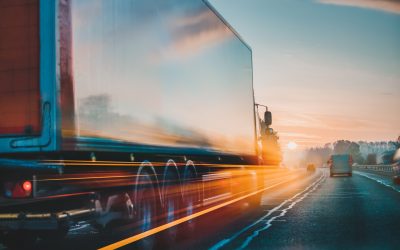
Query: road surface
{"x": 310, "y": 211}
{"x": 333, "y": 213}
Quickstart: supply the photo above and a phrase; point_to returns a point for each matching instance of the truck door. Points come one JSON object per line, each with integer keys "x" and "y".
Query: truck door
{"x": 19, "y": 68}
{"x": 28, "y": 79}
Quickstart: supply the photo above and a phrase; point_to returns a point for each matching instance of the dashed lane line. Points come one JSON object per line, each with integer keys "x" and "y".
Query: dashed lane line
{"x": 268, "y": 222}
{"x": 153, "y": 231}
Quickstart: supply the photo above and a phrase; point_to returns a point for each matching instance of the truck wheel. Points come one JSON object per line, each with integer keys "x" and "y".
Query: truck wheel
{"x": 191, "y": 197}
{"x": 19, "y": 240}
{"x": 146, "y": 200}
{"x": 172, "y": 201}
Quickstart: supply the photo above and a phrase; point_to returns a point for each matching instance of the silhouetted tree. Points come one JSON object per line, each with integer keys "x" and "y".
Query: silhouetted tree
{"x": 317, "y": 155}
{"x": 348, "y": 147}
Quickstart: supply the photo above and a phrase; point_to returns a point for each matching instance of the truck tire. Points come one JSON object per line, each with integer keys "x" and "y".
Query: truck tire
{"x": 147, "y": 203}
{"x": 172, "y": 204}
{"x": 191, "y": 197}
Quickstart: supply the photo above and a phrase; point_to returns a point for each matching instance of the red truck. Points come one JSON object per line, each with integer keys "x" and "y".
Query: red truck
{"x": 120, "y": 111}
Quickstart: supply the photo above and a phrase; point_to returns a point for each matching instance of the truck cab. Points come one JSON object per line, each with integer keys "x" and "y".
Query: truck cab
{"x": 269, "y": 148}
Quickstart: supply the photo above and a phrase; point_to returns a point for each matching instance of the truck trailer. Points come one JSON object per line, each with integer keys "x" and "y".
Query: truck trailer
{"x": 116, "y": 110}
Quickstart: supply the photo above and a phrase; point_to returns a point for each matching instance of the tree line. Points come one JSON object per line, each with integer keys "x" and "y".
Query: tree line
{"x": 363, "y": 152}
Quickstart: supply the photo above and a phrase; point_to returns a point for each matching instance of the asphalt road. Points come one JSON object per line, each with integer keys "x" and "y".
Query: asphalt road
{"x": 344, "y": 213}
{"x": 311, "y": 211}
{"x": 337, "y": 213}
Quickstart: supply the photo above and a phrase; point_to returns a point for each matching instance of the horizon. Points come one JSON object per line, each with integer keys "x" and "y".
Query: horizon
{"x": 327, "y": 69}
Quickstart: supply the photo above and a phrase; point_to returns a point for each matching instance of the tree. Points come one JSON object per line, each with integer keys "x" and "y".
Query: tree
{"x": 317, "y": 155}
{"x": 348, "y": 147}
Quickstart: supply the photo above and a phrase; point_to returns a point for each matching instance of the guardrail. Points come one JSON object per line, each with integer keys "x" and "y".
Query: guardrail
{"x": 378, "y": 168}
{"x": 392, "y": 171}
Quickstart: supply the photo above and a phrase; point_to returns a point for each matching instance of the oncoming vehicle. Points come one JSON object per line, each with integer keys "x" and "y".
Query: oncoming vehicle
{"x": 340, "y": 164}
{"x": 311, "y": 167}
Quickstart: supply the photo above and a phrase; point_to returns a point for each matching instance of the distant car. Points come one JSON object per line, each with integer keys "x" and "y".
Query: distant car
{"x": 396, "y": 167}
{"x": 310, "y": 167}
{"x": 340, "y": 164}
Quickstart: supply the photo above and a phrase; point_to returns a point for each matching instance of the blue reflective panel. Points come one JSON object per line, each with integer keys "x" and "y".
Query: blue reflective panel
{"x": 162, "y": 72}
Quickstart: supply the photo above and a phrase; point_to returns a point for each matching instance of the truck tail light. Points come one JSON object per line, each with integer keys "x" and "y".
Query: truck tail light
{"x": 19, "y": 189}
{"x": 351, "y": 161}
{"x": 27, "y": 186}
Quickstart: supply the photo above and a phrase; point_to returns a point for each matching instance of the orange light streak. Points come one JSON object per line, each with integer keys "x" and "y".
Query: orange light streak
{"x": 140, "y": 236}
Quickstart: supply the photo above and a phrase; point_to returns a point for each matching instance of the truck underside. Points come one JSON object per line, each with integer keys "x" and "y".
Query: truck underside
{"x": 112, "y": 188}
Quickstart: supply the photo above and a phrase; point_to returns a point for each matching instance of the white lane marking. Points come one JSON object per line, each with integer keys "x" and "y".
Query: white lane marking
{"x": 163, "y": 227}
{"x": 339, "y": 195}
{"x": 223, "y": 242}
{"x": 376, "y": 179}
{"x": 268, "y": 224}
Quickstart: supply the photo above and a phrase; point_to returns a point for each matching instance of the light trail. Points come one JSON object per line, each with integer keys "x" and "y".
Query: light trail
{"x": 136, "y": 163}
{"x": 110, "y": 177}
{"x": 88, "y": 178}
{"x": 140, "y": 236}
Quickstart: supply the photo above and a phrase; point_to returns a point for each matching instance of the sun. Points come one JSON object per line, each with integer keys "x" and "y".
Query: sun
{"x": 292, "y": 145}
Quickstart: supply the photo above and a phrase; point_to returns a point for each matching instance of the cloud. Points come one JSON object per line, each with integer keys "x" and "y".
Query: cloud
{"x": 298, "y": 135}
{"x": 199, "y": 30}
{"x": 314, "y": 129}
{"x": 391, "y": 6}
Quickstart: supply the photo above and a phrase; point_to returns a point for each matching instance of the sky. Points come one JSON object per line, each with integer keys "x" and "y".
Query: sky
{"x": 327, "y": 69}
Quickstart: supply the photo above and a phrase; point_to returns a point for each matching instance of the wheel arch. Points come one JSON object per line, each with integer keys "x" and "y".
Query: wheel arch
{"x": 188, "y": 167}
{"x": 146, "y": 166}
{"x": 170, "y": 167}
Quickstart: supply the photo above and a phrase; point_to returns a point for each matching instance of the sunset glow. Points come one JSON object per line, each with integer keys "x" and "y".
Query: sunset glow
{"x": 292, "y": 145}
{"x": 327, "y": 69}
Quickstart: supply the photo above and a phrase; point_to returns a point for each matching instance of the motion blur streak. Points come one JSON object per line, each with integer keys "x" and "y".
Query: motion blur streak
{"x": 81, "y": 178}
{"x": 212, "y": 184}
{"x": 140, "y": 236}
{"x": 128, "y": 163}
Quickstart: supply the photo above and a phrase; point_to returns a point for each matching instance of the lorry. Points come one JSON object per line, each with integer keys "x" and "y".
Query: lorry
{"x": 340, "y": 164}
{"x": 111, "y": 110}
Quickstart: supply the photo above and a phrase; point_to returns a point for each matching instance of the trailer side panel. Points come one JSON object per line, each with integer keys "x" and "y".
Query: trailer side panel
{"x": 165, "y": 73}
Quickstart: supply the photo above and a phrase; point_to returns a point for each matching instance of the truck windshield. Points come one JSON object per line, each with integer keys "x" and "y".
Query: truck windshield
{"x": 19, "y": 67}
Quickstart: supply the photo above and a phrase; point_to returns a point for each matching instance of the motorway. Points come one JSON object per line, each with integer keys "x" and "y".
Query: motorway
{"x": 310, "y": 211}
{"x": 313, "y": 213}
{"x": 340, "y": 213}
